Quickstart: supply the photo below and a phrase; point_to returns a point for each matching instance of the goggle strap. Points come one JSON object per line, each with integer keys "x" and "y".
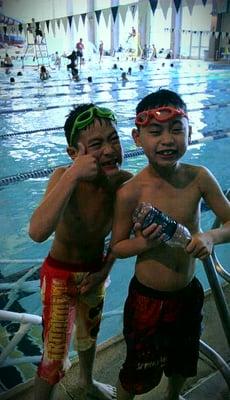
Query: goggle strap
{"x": 100, "y": 112}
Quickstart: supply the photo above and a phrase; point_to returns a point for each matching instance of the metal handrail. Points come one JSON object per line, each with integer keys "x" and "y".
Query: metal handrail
{"x": 218, "y": 294}
{"x": 26, "y": 322}
{"x": 217, "y": 360}
{"x": 213, "y": 267}
{"x": 218, "y": 266}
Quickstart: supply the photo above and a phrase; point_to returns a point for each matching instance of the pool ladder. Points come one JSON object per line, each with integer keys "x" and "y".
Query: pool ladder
{"x": 212, "y": 267}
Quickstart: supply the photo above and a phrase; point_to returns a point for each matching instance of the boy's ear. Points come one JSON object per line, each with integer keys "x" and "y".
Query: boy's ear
{"x": 76, "y": 151}
{"x": 136, "y": 137}
{"x": 72, "y": 152}
{"x": 189, "y": 134}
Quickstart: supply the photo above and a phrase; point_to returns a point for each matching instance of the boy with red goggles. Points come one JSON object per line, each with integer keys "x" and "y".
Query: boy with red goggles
{"x": 163, "y": 310}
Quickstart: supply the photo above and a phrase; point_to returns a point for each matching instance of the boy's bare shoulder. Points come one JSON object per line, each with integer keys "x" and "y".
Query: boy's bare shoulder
{"x": 122, "y": 177}
{"x": 125, "y": 175}
{"x": 56, "y": 175}
{"x": 196, "y": 171}
{"x": 130, "y": 187}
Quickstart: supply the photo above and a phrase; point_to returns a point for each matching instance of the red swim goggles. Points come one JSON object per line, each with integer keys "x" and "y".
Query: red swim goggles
{"x": 160, "y": 114}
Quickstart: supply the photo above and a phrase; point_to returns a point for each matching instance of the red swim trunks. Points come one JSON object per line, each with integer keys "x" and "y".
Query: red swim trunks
{"x": 162, "y": 331}
{"x": 62, "y": 304}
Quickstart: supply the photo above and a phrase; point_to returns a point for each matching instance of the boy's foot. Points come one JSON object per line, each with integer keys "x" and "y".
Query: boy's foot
{"x": 96, "y": 391}
{"x": 101, "y": 391}
{"x": 180, "y": 398}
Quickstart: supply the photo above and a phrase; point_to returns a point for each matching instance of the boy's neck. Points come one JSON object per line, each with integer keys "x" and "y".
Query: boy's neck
{"x": 165, "y": 172}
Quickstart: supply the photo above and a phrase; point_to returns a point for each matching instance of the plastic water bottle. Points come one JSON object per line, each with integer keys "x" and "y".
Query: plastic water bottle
{"x": 175, "y": 234}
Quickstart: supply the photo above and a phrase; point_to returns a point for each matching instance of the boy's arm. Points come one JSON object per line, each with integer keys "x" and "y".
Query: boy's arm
{"x": 122, "y": 245}
{"x": 202, "y": 244}
{"x": 60, "y": 188}
{"x": 95, "y": 278}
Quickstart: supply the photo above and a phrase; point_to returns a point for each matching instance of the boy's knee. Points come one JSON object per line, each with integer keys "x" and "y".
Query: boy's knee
{"x": 84, "y": 344}
{"x": 51, "y": 371}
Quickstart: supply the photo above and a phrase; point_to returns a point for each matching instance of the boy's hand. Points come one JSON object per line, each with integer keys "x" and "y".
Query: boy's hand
{"x": 152, "y": 234}
{"x": 85, "y": 165}
{"x": 91, "y": 280}
{"x": 200, "y": 246}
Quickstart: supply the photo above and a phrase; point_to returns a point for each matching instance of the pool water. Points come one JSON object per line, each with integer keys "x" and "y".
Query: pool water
{"x": 30, "y": 108}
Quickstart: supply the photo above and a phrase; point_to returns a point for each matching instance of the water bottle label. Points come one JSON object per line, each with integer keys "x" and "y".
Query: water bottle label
{"x": 156, "y": 216}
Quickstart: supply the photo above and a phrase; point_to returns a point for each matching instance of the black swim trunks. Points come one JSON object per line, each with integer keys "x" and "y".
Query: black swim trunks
{"x": 162, "y": 331}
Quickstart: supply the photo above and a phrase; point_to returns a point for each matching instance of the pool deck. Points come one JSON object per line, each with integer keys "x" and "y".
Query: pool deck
{"x": 207, "y": 385}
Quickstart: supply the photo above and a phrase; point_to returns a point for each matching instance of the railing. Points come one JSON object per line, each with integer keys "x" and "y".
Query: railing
{"x": 213, "y": 267}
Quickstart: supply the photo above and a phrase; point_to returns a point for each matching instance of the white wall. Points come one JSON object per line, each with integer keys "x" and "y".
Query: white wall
{"x": 43, "y": 9}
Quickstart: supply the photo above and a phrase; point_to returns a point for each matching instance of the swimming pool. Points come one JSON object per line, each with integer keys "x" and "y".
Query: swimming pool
{"x": 30, "y": 108}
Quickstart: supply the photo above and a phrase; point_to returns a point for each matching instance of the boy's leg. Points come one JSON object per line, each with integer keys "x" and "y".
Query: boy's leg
{"x": 42, "y": 389}
{"x": 89, "y": 312}
{"x": 58, "y": 318}
{"x": 175, "y": 384}
{"x": 122, "y": 394}
{"x": 98, "y": 390}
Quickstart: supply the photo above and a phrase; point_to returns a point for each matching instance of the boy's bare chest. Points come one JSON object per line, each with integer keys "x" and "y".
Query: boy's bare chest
{"x": 180, "y": 202}
{"x": 92, "y": 211}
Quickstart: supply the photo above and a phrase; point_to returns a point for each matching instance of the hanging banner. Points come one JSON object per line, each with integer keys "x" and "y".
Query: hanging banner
{"x": 114, "y": 13}
{"x": 177, "y": 4}
{"x": 133, "y": 9}
{"x": 76, "y": 20}
{"x": 58, "y": 23}
{"x": 204, "y": 2}
{"x": 42, "y": 25}
{"x": 65, "y": 23}
{"x": 70, "y": 20}
{"x": 123, "y": 11}
{"x": 53, "y": 25}
{"x": 83, "y": 16}
{"x": 98, "y": 14}
{"x": 190, "y": 4}
{"x": 90, "y": 16}
{"x": 47, "y": 24}
{"x": 106, "y": 14}
{"x": 153, "y": 5}
{"x": 164, "y": 5}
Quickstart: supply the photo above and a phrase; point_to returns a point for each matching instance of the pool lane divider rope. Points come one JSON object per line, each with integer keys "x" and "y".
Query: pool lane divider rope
{"x": 5, "y": 97}
{"x": 47, "y": 96}
{"x": 46, "y": 85}
{"x": 6, "y": 135}
{"x": 38, "y": 108}
{"x": 40, "y": 173}
{"x": 43, "y": 107}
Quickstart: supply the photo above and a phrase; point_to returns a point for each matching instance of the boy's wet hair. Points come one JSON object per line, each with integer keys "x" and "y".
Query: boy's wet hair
{"x": 160, "y": 98}
{"x": 69, "y": 123}
{"x": 71, "y": 119}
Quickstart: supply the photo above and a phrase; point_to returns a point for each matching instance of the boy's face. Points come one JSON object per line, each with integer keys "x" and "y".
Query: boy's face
{"x": 164, "y": 143}
{"x": 101, "y": 140}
